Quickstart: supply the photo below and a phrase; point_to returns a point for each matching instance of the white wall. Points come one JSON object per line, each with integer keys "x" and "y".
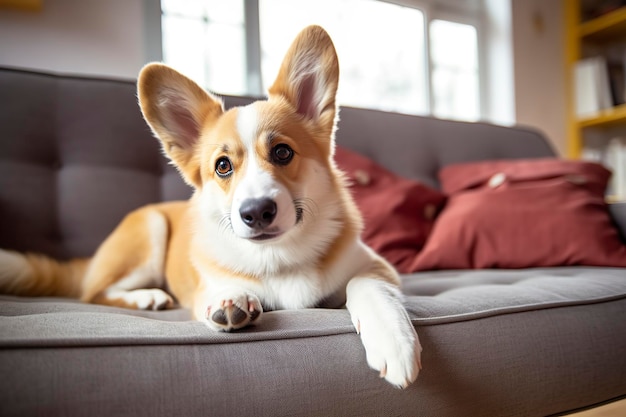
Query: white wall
{"x": 539, "y": 67}
{"x": 90, "y": 37}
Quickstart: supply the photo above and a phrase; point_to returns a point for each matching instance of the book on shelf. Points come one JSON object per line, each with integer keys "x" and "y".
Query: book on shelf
{"x": 613, "y": 156}
{"x": 617, "y": 82}
{"x": 592, "y": 86}
{"x": 616, "y": 162}
{"x": 600, "y": 84}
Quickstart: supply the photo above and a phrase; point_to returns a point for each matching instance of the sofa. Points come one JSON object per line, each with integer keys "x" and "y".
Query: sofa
{"x": 76, "y": 156}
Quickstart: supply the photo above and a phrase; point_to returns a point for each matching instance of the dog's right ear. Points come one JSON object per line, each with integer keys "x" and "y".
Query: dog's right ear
{"x": 176, "y": 109}
{"x": 308, "y": 78}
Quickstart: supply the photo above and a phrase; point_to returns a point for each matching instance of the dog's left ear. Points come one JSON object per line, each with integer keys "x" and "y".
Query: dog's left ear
{"x": 308, "y": 77}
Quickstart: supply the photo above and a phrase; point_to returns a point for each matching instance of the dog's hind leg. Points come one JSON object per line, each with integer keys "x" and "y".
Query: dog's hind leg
{"x": 128, "y": 268}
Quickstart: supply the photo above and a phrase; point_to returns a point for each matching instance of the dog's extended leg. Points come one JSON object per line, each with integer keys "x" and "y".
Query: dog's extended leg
{"x": 128, "y": 268}
{"x": 391, "y": 343}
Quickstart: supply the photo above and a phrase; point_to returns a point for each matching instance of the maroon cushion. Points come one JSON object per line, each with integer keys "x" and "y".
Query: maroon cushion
{"x": 523, "y": 213}
{"x": 398, "y": 212}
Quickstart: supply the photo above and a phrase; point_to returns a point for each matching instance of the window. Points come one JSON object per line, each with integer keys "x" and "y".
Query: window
{"x": 454, "y": 60}
{"x": 388, "y": 59}
{"x": 380, "y": 67}
{"x": 205, "y": 40}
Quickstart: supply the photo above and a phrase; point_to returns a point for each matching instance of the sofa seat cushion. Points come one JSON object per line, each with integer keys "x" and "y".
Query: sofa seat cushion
{"x": 474, "y": 293}
{"x": 433, "y": 296}
{"x": 545, "y": 326}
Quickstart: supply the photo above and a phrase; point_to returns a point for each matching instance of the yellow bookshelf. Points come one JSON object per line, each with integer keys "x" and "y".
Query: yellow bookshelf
{"x": 24, "y": 5}
{"x": 607, "y": 28}
{"x": 605, "y": 118}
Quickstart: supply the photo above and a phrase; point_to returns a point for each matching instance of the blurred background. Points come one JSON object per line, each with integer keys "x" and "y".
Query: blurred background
{"x": 500, "y": 61}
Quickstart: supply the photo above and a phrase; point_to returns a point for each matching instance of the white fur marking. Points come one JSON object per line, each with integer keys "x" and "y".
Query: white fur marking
{"x": 258, "y": 183}
{"x": 248, "y": 125}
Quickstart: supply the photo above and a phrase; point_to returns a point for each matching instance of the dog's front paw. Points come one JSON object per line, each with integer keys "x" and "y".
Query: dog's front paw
{"x": 228, "y": 312}
{"x": 391, "y": 343}
{"x": 392, "y": 350}
{"x": 151, "y": 299}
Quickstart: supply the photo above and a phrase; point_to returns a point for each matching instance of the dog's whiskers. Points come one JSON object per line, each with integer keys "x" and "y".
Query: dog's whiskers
{"x": 224, "y": 223}
{"x": 304, "y": 206}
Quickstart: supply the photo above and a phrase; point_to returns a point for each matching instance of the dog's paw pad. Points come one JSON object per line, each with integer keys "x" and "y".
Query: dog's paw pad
{"x": 238, "y": 316}
{"x": 234, "y": 313}
{"x": 254, "y": 314}
{"x": 220, "y": 317}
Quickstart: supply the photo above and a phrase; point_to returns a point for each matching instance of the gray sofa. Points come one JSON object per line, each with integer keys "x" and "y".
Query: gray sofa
{"x": 75, "y": 156}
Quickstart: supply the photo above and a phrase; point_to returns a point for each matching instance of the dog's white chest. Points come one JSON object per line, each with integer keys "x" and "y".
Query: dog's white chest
{"x": 300, "y": 290}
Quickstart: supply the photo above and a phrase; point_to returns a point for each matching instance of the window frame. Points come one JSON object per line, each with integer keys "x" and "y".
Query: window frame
{"x": 457, "y": 11}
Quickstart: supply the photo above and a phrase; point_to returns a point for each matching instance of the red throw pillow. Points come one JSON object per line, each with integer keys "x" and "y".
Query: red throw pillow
{"x": 523, "y": 213}
{"x": 398, "y": 212}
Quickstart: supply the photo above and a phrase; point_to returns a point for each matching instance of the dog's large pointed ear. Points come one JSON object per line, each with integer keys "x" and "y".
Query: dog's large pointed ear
{"x": 309, "y": 75}
{"x": 176, "y": 109}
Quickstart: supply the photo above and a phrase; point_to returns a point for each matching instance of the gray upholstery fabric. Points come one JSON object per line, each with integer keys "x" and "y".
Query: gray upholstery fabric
{"x": 75, "y": 156}
{"x": 522, "y": 343}
{"x": 418, "y": 147}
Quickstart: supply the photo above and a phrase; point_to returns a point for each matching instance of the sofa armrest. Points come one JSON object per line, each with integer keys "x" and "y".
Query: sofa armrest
{"x": 618, "y": 213}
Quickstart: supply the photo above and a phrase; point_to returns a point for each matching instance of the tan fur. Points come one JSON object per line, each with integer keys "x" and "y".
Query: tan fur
{"x": 42, "y": 277}
{"x": 130, "y": 238}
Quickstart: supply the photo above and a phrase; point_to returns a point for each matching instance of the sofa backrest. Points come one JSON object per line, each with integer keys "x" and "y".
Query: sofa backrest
{"x": 418, "y": 147}
{"x": 76, "y": 156}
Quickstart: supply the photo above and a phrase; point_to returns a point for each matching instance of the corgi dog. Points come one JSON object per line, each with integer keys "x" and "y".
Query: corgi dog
{"x": 271, "y": 223}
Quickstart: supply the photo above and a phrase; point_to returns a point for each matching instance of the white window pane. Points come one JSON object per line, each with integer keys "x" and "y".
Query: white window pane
{"x": 222, "y": 11}
{"x": 453, "y": 44}
{"x": 455, "y": 82}
{"x": 189, "y": 8}
{"x": 455, "y": 95}
{"x": 183, "y": 46}
{"x": 226, "y": 60}
{"x": 380, "y": 47}
{"x": 205, "y": 40}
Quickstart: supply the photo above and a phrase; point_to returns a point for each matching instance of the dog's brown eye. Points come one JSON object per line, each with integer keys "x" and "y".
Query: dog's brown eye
{"x": 223, "y": 167}
{"x": 282, "y": 154}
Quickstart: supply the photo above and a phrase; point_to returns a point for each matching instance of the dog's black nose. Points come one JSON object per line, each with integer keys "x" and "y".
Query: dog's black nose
{"x": 258, "y": 213}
